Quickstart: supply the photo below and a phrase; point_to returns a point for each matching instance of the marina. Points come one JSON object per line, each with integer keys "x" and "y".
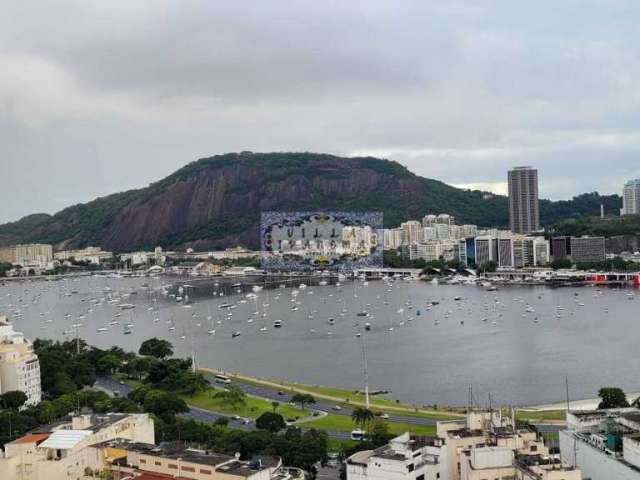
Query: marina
{"x": 426, "y": 343}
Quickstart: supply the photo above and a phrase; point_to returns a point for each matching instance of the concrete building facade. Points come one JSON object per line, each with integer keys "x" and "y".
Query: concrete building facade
{"x": 524, "y": 213}
{"x": 631, "y": 198}
{"x": 19, "y": 365}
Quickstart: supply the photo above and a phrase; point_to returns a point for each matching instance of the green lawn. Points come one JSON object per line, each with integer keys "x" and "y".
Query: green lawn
{"x": 343, "y": 423}
{"x": 348, "y": 396}
{"x": 253, "y": 408}
{"x": 540, "y": 415}
{"x": 335, "y": 445}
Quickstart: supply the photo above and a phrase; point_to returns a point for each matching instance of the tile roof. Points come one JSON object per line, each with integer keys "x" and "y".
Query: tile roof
{"x": 32, "y": 438}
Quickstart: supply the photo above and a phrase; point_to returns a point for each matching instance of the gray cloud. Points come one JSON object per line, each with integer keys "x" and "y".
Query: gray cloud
{"x": 96, "y": 97}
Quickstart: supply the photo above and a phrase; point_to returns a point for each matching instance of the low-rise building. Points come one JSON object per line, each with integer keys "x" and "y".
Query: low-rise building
{"x": 406, "y": 457}
{"x": 19, "y": 366}
{"x": 604, "y": 444}
{"x": 125, "y": 459}
{"x": 62, "y": 452}
{"x": 93, "y": 255}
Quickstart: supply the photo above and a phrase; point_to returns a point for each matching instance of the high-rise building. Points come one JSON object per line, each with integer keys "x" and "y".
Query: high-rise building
{"x": 429, "y": 233}
{"x": 411, "y": 232}
{"x": 392, "y": 238}
{"x": 524, "y": 213}
{"x": 631, "y": 197}
{"x": 19, "y": 366}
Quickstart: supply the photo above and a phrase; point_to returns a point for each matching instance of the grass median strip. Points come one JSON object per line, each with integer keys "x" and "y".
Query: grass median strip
{"x": 251, "y": 408}
{"x": 343, "y": 423}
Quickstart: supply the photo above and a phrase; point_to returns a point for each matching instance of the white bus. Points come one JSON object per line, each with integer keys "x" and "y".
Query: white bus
{"x": 222, "y": 379}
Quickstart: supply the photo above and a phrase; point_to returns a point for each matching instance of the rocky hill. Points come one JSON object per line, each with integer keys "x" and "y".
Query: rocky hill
{"x": 216, "y": 202}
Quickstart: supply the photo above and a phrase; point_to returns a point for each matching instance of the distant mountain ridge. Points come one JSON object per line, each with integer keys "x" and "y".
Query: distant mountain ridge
{"x": 216, "y": 202}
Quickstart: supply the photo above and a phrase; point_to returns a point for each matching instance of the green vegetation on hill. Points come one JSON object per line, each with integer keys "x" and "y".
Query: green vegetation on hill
{"x": 234, "y": 188}
{"x": 607, "y": 226}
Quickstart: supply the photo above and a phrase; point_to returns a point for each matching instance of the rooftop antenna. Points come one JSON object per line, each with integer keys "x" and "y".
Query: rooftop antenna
{"x": 566, "y": 385}
{"x": 490, "y": 413}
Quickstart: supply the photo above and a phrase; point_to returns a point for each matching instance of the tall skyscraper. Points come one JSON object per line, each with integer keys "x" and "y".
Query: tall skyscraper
{"x": 631, "y": 197}
{"x": 524, "y": 213}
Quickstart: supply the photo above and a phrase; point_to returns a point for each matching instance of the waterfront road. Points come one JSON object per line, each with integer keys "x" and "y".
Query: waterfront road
{"x": 283, "y": 396}
{"x": 114, "y": 387}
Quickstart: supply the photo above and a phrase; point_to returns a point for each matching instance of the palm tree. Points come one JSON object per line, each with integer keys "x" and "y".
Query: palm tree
{"x": 362, "y": 417}
{"x": 275, "y": 406}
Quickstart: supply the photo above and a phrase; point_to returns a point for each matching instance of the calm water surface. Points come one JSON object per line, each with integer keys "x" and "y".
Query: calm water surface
{"x": 517, "y": 343}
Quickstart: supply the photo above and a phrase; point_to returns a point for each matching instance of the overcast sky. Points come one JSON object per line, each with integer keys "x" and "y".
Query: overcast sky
{"x": 97, "y": 96}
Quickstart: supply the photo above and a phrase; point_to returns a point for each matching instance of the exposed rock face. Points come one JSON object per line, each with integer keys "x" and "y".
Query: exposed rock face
{"x": 243, "y": 190}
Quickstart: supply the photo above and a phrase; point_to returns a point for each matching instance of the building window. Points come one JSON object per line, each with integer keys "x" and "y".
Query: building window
{"x": 158, "y": 463}
{"x": 205, "y": 472}
{"x": 420, "y": 477}
{"x": 142, "y": 460}
{"x": 172, "y": 466}
{"x": 410, "y": 467}
{"x": 188, "y": 469}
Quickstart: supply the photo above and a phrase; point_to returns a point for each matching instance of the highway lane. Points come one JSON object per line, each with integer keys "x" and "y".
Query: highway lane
{"x": 283, "y": 396}
{"x": 113, "y": 386}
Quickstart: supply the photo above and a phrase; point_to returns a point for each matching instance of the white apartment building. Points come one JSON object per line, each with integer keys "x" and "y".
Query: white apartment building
{"x": 456, "y": 232}
{"x": 62, "y": 452}
{"x": 411, "y": 232}
{"x": 429, "y": 234}
{"x": 437, "y": 249}
{"x": 631, "y": 198}
{"x": 442, "y": 231}
{"x": 392, "y": 238}
{"x": 530, "y": 251}
{"x": 36, "y": 255}
{"x": 406, "y": 457}
{"x": 604, "y": 444}
{"x": 93, "y": 255}
{"x": 19, "y": 366}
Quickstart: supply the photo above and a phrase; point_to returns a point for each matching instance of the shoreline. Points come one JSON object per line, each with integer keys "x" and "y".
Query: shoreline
{"x": 380, "y": 401}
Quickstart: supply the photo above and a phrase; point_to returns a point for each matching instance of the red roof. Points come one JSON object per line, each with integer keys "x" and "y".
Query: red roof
{"x": 32, "y": 438}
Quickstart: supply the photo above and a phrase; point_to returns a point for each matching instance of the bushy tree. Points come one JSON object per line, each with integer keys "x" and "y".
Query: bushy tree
{"x": 612, "y": 397}
{"x": 155, "y": 347}
{"x": 13, "y": 400}
{"x": 303, "y": 399}
{"x": 270, "y": 421}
